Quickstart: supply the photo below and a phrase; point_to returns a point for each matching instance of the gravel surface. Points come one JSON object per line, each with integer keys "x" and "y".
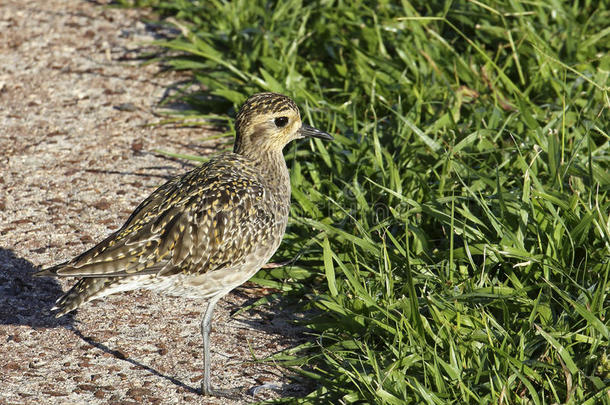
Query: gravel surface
{"x": 75, "y": 160}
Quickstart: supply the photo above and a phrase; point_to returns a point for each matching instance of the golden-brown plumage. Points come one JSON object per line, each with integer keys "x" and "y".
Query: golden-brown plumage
{"x": 205, "y": 232}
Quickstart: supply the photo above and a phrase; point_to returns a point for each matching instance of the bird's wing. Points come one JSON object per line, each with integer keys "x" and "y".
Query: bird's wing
{"x": 208, "y": 219}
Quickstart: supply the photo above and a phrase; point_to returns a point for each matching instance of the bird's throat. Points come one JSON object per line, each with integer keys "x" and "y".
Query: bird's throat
{"x": 274, "y": 171}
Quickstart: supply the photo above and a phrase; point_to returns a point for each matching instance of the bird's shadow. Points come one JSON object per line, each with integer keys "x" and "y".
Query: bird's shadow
{"x": 27, "y": 300}
{"x": 119, "y": 355}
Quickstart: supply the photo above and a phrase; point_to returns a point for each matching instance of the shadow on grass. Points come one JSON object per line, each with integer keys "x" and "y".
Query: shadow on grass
{"x": 279, "y": 319}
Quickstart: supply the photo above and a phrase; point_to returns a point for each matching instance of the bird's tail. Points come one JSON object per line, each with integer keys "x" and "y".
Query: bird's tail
{"x": 50, "y": 271}
{"x": 85, "y": 290}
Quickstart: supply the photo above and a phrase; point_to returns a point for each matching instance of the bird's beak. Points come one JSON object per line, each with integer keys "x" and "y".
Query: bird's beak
{"x": 307, "y": 131}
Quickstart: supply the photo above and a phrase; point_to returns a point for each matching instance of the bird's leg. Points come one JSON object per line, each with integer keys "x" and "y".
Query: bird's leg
{"x": 206, "y": 326}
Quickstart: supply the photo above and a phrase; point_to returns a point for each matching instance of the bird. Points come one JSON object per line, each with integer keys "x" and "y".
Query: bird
{"x": 205, "y": 232}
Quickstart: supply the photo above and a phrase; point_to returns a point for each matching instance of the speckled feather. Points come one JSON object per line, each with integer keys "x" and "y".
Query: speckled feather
{"x": 202, "y": 233}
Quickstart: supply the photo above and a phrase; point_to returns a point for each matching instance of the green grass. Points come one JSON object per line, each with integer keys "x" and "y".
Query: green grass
{"x": 455, "y": 237}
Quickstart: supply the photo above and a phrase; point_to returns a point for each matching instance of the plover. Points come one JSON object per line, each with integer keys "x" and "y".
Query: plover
{"x": 206, "y": 232}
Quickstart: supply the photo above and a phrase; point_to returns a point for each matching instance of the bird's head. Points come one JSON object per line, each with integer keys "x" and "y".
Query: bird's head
{"x": 267, "y": 122}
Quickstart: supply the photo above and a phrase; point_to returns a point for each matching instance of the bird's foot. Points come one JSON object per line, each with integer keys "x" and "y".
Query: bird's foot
{"x": 231, "y": 393}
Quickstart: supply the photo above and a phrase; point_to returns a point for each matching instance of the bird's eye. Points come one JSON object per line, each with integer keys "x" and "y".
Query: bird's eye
{"x": 281, "y": 122}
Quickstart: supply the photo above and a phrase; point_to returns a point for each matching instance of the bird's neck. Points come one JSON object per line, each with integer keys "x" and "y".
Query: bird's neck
{"x": 272, "y": 166}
